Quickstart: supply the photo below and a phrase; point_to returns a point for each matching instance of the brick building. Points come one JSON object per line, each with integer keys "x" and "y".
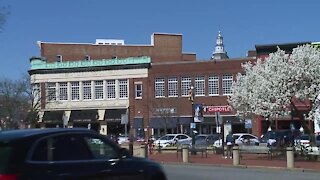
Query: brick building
{"x": 98, "y": 85}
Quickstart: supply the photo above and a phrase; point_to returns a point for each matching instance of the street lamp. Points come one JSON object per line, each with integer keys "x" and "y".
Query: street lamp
{"x": 191, "y": 99}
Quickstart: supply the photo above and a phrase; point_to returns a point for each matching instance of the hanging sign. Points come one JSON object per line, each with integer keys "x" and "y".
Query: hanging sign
{"x": 211, "y": 109}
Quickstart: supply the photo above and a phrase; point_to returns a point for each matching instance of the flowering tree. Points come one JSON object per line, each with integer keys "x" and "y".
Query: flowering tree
{"x": 269, "y": 85}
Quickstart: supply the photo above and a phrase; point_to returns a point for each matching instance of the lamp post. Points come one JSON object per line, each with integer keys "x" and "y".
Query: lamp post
{"x": 191, "y": 99}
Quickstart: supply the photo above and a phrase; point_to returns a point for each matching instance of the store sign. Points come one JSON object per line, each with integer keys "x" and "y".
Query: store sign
{"x": 248, "y": 123}
{"x": 211, "y": 109}
{"x": 165, "y": 110}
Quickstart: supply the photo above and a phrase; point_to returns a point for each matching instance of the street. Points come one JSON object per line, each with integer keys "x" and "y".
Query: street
{"x": 198, "y": 172}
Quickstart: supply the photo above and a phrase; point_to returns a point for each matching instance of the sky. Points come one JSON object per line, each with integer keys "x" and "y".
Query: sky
{"x": 243, "y": 24}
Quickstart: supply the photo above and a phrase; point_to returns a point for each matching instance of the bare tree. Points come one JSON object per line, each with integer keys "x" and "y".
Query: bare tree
{"x": 165, "y": 108}
{"x": 32, "y": 101}
{"x": 12, "y": 103}
{"x": 20, "y": 103}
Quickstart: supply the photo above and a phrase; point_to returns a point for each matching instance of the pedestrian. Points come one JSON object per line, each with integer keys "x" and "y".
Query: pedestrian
{"x": 150, "y": 144}
{"x": 229, "y": 142}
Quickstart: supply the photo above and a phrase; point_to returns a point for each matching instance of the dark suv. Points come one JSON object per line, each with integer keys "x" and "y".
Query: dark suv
{"x": 69, "y": 154}
{"x": 279, "y": 137}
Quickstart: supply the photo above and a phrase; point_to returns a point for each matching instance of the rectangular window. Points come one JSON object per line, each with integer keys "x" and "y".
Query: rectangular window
{"x": 213, "y": 85}
{"x": 172, "y": 87}
{"x": 87, "y": 58}
{"x": 63, "y": 91}
{"x": 123, "y": 88}
{"x": 111, "y": 89}
{"x": 51, "y": 91}
{"x": 98, "y": 89}
{"x": 86, "y": 87}
{"x": 138, "y": 88}
{"x": 199, "y": 84}
{"x": 226, "y": 84}
{"x": 185, "y": 85}
{"x": 59, "y": 58}
{"x": 159, "y": 87}
{"x": 36, "y": 93}
{"x": 75, "y": 95}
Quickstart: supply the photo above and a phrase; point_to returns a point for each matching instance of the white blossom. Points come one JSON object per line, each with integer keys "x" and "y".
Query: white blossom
{"x": 268, "y": 86}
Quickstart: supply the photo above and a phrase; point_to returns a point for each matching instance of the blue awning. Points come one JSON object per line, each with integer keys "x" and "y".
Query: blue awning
{"x": 184, "y": 120}
{"x": 159, "y": 122}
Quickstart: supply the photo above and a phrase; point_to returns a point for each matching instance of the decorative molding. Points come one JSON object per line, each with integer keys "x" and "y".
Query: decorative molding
{"x": 41, "y": 63}
{"x": 90, "y": 75}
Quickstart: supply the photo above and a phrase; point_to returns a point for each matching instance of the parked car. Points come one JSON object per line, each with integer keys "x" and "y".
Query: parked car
{"x": 61, "y": 153}
{"x": 302, "y": 141}
{"x": 317, "y": 140}
{"x": 279, "y": 137}
{"x": 240, "y": 139}
{"x": 305, "y": 140}
{"x": 112, "y": 138}
{"x": 171, "y": 139}
{"x": 122, "y": 139}
{"x": 202, "y": 140}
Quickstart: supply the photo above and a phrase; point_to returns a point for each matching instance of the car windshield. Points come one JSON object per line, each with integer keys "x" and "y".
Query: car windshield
{"x": 5, "y": 151}
{"x": 168, "y": 137}
{"x": 236, "y": 136}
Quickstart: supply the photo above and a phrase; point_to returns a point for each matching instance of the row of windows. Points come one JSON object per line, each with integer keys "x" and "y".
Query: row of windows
{"x": 86, "y": 90}
{"x": 112, "y": 89}
{"x": 202, "y": 86}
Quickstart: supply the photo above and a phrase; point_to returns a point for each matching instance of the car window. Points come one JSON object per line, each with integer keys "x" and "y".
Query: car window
{"x": 167, "y": 137}
{"x": 304, "y": 137}
{"x": 100, "y": 148}
{"x": 235, "y": 136}
{"x": 182, "y": 137}
{"x": 246, "y": 137}
{"x": 209, "y": 138}
{"x": 318, "y": 138}
{"x": 5, "y": 152}
{"x": 61, "y": 148}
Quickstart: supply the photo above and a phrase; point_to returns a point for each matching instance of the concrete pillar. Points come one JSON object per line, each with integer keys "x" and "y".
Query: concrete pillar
{"x": 185, "y": 154}
{"x": 144, "y": 151}
{"x": 290, "y": 158}
{"x": 236, "y": 155}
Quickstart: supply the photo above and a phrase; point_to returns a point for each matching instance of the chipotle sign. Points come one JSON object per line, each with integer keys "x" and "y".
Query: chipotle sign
{"x": 211, "y": 109}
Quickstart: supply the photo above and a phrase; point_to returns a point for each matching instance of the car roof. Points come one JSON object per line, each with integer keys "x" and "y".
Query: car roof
{"x": 173, "y": 134}
{"x": 239, "y": 134}
{"x": 205, "y": 135}
{"x": 9, "y": 135}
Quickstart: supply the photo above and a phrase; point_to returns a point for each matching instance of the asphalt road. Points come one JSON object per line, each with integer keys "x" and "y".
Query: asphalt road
{"x": 198, "y": 172}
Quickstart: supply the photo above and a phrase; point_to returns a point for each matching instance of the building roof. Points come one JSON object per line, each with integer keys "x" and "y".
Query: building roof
{"x": 270, "y": 48}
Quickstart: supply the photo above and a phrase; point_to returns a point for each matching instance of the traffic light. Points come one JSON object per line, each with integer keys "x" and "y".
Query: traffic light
{"x": 191, "y": 94}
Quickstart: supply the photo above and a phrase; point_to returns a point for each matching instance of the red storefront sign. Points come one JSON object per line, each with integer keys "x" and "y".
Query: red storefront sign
{"x": 211, "y": 109}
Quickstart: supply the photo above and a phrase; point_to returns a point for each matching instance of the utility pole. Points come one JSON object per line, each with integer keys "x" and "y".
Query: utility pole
{"x": 193, "y": 126}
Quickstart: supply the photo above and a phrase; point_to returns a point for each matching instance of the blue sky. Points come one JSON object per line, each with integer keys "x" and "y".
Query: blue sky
{"x": 243, "y": 24}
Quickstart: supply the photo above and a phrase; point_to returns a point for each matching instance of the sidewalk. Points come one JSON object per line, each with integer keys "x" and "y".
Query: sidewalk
{"x": 248, "y": 160}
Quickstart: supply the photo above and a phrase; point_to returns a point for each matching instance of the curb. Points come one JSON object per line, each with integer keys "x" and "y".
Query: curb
{"x": 242, "y": 166}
